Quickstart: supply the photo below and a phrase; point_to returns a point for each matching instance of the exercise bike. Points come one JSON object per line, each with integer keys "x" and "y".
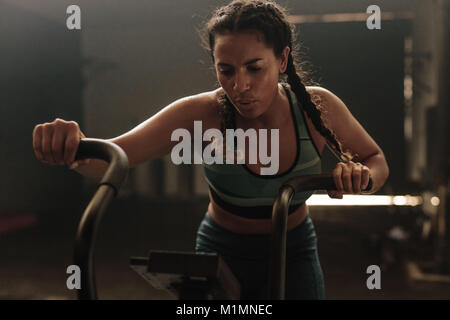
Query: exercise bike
{"x": 186, "y": 275}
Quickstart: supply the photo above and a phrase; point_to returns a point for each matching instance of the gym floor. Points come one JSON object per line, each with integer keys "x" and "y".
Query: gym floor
{"x": 34, "y": 259}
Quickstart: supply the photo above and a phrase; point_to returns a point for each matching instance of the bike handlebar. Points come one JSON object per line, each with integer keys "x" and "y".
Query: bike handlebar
{"x": 115, "y": 176}
{"x": 107, "y": 189}
{"x": 277, "y": 274}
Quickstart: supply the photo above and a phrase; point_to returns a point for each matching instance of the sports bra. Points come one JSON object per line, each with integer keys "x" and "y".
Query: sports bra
{"x": 242, "y": 192}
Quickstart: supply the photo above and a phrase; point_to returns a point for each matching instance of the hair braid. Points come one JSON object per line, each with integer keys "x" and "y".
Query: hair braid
{"x": 227, "y": 113}
{"x": 312, "y": 111}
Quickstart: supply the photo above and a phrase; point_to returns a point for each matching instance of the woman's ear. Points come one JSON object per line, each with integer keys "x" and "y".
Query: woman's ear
{"x": 284, "y": 59}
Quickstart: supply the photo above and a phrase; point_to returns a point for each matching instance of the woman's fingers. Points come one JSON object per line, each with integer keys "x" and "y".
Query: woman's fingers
{"x": 56, "y": 142}
{"x": 356, "y": 177}
{"x": 365, "y": 175}
{"x": 337, "y": 173}
{"x": 47, "y": 137}
{"x": 347, "y": 178}
{"x": 351, "y": 177}
{"x": 37, "y": 142}
{"x": 335, "y": 194}
{"x": 71, "y": 146}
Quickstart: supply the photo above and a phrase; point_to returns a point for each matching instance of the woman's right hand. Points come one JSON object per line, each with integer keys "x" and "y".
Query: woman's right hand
{"x": 56, "y": 143}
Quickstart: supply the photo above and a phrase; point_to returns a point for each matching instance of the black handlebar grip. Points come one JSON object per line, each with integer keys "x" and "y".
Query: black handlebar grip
{"x": 101, "y": 149}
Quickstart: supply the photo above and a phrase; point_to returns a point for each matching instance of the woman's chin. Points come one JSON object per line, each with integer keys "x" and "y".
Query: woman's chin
{"x": 248, "y": 114}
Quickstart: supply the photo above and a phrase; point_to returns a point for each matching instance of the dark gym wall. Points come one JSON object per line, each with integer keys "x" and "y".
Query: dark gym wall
{"x": 130, "y": 59}
{"x": 371, "y": 85}
{"x": 40, "y": 79}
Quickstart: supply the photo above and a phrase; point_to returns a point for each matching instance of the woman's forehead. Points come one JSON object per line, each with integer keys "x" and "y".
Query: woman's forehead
{"x": 242, "y": 45}
{"x": 252, "y": 36}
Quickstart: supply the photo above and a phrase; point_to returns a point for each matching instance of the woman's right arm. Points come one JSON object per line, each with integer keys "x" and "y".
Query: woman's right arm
{"x": 56, "y": 143}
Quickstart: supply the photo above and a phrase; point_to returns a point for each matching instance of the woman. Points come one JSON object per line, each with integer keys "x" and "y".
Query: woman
{"x": 251, "y": 44}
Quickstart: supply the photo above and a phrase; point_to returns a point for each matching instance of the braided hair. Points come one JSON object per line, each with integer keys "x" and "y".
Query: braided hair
{"x": 271, "y": 20}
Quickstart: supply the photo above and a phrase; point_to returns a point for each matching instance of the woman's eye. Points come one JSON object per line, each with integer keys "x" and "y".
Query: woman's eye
{"x": 225, "y": 72}
{"x": 229, "y": 72}
{"x": 254, "y": 69}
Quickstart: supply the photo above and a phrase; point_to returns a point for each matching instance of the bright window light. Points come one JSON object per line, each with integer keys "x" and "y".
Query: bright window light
{"x": 435, "y": 201}
{"x": 364, "y": 200}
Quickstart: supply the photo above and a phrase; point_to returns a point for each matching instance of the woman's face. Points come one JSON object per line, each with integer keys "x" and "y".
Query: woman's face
{"x": 248, "y": 71}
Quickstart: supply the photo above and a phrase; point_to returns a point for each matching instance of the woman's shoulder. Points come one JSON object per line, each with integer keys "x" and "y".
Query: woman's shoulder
{"x": 206, "y": 101}
{"x": 207, "y": 104}
{"x": 207, "y": 98}
{"x": 334, "y": 111}
{"x": 318, "y": 94}
{"x": 323, "y": 97}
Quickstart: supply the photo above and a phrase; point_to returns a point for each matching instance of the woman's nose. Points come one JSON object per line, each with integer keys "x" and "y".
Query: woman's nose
{"x": 241, "y": 82}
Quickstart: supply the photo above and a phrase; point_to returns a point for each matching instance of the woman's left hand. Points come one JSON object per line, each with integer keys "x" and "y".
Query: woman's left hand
{"x": 349, "y": 177}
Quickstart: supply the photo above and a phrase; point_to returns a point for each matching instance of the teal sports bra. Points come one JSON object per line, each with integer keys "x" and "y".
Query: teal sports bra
{"x": 240, "y": 191}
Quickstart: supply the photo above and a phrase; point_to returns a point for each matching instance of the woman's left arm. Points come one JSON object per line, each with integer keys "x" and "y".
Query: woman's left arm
{"x": 369, "y": 160}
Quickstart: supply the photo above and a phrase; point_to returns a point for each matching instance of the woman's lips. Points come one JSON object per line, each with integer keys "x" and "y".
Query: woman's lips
{"x": 246, "y": 102}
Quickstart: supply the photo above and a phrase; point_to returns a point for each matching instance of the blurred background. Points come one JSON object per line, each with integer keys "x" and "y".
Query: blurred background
{"x": 132, "y": 58}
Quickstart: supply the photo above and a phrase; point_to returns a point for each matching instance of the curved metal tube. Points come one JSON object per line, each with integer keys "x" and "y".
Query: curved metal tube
{"x": 277, "y": 266}
{"x": 108, "y": 188}
{"x": 277, "y": 270}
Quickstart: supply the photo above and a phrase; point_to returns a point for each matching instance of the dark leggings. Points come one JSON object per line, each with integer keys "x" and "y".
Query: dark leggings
{"x": 247, "y": 255}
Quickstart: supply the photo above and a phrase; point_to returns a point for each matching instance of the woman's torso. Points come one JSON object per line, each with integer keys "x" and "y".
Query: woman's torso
{"x": 287, "y": 156}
